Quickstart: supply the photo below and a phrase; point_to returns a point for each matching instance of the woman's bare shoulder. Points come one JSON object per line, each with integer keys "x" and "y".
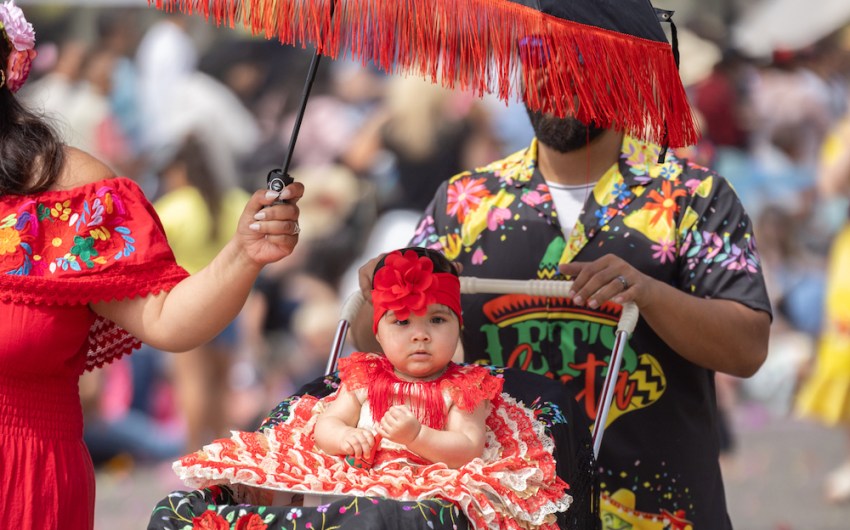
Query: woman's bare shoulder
{"x": 81, "y": 168}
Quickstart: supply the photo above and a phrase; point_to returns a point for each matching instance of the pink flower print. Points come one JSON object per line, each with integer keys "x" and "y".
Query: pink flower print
{"x": 532, "y": 198}
{"x": 478, "y": 256}
{"x": 665, "y": 251}
{"x": 496, "y": 217}
{"x": 464, "y": 194}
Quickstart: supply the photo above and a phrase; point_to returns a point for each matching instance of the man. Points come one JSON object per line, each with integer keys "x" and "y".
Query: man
{"x": 672, "y": 237}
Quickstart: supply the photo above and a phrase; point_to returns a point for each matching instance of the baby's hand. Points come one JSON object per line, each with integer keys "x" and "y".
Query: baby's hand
{"x": 357, "y": 442}
{"x": 399, "y": 425}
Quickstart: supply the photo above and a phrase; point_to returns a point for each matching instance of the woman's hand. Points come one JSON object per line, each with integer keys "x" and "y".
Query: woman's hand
{"x": 399, "y": 425}
{"x": 267, "y": 231}
{"x": 609, "y": 278}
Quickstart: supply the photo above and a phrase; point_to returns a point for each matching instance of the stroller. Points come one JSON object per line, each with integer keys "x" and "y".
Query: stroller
{"x": 575, "y": 449}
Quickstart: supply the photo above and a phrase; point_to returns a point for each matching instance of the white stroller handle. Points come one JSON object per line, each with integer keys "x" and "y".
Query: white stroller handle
{"x": 559, "y": 289}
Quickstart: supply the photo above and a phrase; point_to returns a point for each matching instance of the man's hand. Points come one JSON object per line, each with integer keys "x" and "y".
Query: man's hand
{"x": 609, "y": 278}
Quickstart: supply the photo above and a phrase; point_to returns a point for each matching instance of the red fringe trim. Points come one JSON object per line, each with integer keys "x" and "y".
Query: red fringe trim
{"x": 425, "y": 398}
{"x": 609, "y": 78}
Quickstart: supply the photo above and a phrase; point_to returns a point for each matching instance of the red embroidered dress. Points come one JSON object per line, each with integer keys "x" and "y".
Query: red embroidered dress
{"x": 60, "y": 251}
{"x": 512, "y": 485}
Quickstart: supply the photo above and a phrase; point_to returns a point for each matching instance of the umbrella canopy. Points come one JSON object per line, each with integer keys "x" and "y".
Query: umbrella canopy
{"x": 602, "y": 61}
{"x": 788, "y": 25}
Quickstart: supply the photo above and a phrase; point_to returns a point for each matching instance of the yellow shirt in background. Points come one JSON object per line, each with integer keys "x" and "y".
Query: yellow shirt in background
{"x": 188, "y": 224}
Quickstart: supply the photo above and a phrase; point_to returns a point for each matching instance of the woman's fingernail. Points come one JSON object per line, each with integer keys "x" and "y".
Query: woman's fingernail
{"x": 259, "y": 216}
{"x": 254, "y": 226}
{"x": 272, "y": 194}
{"x": 578, "y": 300}
{"x": 571, "y": 294}
{"x": 592, "y": 304}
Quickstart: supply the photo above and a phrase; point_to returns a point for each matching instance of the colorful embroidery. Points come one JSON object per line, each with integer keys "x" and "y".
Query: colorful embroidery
{"x": 45, "y": 238}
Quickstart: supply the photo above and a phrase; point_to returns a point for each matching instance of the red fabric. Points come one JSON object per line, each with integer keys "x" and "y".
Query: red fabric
{"x": 60, "y": 251}
{"x": 612, "y": 79}
{"x": 513, "y": 485}
{"x": 408, "y": 284}
{"x": 385, "y": 389}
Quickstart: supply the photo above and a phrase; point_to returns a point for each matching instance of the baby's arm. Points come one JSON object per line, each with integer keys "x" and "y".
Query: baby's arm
{"x": 460, "y": 442}
{"x": 336, "y": 432}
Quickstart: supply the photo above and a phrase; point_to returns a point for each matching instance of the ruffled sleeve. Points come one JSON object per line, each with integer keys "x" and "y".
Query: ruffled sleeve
{"x": 98, "y": 242}
{"x": 358, "y": 369}
{"x": 470, "y": 385}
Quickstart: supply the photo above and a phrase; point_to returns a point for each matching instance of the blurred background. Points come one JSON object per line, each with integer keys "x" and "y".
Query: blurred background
{"x": 198, "y": 115}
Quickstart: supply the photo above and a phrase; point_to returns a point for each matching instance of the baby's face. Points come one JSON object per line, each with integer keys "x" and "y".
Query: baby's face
{"x": 421, "y": 346}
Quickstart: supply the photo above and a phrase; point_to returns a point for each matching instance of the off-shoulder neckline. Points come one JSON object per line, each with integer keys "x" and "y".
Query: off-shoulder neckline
{"x": 76, "y": 190}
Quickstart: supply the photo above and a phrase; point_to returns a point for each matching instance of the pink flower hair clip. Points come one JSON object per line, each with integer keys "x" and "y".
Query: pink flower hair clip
{"x": 21, "y": 36}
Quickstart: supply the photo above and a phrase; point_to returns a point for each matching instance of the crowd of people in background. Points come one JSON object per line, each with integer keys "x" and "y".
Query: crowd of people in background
{"x": 196, "y": 121}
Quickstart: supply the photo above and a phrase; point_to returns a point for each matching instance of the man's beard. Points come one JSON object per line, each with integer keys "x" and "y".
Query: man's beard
{"x": 562, "y": 134}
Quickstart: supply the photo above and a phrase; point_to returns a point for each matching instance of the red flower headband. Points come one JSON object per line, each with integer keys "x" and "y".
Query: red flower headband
{"x": 408, "y": 284}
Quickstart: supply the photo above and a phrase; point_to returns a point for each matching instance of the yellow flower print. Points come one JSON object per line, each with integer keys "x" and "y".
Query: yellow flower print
{"x": 100, "y": 233}
{"x": 606, "y": 189}
{"x": 9, "y": 240}
{"x": 578, "y": 238}
{"x": 451, "y": 246}
{"x": 107, "y": 202}
{"x": 704, "y": 187}
{"x": 476, "y": 221}
{"x": 62, "y": 210}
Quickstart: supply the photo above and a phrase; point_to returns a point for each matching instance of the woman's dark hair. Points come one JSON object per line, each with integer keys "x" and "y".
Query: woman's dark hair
{"x": 441, "y": 263}
{"x": 194, "y": 156}
{"x": 31, "y": 151}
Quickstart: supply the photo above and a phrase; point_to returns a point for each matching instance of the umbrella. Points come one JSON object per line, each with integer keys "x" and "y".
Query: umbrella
{"x": 605, "y": 62}
{"x": 788, "y": 25}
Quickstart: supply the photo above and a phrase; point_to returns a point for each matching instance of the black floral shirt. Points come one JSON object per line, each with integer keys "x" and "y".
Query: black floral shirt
{"x": 677, "y": 222}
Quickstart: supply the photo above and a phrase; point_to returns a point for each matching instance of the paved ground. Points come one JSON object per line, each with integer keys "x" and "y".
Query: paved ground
{"x": 773, "y": 482}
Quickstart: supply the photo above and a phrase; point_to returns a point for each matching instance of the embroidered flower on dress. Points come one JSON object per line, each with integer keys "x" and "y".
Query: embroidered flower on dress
{"x": 21, "y": 36}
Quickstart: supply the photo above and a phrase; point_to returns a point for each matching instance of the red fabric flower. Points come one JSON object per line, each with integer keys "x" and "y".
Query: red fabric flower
{"x": 402, "y": 284}
{"x": 408, "y": 284}
{"x": 210, "y": 520}
{"x": 252, "y": 521}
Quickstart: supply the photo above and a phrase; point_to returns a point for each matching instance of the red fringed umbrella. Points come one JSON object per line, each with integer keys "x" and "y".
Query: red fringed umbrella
{"x": 602, "y": 61}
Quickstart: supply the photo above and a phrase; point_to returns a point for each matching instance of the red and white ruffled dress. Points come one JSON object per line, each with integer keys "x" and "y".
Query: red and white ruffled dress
{"x": 512, "y": 485}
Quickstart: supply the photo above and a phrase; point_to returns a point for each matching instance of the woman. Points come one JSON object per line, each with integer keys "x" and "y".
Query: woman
{"x": 85, "y": 274}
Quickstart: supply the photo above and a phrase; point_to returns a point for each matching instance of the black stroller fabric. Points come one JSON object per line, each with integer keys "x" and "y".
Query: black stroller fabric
{"x": 219, "y": 507}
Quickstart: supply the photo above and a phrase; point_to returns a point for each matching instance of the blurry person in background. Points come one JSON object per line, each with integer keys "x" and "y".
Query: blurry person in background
{"x": 118, "y": 33}
{"x": 825, "y": 394}
{"x": 427, "y": 131}
{"x": 92, "y": 123}
{"x": 176, "y": 98}
{"x": 198, "y": 213}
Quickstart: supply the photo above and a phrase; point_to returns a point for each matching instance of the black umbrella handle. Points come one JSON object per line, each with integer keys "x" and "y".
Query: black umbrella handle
{"x": 280, "y": 177}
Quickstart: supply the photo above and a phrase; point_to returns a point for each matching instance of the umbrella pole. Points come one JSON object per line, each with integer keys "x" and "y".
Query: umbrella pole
{"x": 277, "y": 179}
{"x": 608, "y": 390}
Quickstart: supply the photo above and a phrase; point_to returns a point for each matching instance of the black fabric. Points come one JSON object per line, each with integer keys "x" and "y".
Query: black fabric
{"x": 632, "y": 17}
{"x": 548, "y": 398}
{"x": 219, "y": 505}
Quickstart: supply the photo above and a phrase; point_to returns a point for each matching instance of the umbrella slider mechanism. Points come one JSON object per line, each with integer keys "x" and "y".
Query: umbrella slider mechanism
{"x": 277, "y": 180}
